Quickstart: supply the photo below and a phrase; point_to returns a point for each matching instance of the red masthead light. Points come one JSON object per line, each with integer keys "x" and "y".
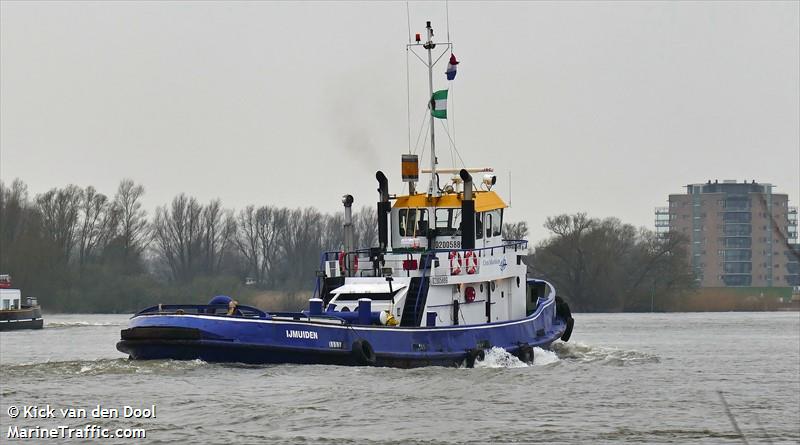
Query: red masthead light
{"x": 417, "y": 37}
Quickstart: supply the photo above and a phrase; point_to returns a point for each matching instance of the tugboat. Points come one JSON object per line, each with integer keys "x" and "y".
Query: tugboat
{"x": 14, "y": 314}
{"x": 444, "y": 287}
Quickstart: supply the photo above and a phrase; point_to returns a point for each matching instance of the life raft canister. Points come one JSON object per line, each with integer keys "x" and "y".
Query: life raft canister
{"x": 471, "y": 260}
{"x": 455, "y": 262}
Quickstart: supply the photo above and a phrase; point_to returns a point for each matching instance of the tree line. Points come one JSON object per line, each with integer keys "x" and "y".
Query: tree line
{"x": 80, "y": 250}
{"x": 609, "y": 266}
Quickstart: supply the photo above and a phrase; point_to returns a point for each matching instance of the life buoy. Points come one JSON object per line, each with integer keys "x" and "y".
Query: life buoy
{"x": 471, "y": 260}
{"x": 343, "y": 262}
{"x": 363, "y": 354}
{"x": 455, "y": 262}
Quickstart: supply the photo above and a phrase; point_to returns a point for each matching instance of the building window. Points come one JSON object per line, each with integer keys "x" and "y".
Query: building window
{"x": 737, "y": 280}
{"x": 741, "y": 243}
{"x": 737, "y": 255}
{"x": 737, "y": 229}
{"x": 737, "y": 217}
{"x": 737, "y": 268}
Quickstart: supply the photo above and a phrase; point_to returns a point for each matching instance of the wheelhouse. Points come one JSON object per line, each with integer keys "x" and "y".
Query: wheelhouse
{"x": 420, "y": 222}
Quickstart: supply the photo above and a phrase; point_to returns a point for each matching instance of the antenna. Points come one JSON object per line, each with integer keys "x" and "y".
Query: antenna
{"x": 447, "y": 15}
{"x": 408, "y": 20}
{"x": 509, "y": 188}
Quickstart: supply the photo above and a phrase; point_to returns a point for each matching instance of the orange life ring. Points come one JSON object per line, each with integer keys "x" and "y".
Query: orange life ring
{"x": 471, "y": 260}
{"x": 455, "y": 262}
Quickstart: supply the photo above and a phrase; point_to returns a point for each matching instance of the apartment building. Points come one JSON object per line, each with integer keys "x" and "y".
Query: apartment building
{"x": 740, "y": 233}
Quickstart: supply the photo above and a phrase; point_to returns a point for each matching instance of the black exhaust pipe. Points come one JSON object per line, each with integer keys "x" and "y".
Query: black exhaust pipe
{"x": 383, "y": 210}
{"x": 467, "y": 213}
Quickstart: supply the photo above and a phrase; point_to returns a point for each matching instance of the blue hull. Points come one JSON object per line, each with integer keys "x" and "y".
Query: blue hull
{"x": 215, "y": 338}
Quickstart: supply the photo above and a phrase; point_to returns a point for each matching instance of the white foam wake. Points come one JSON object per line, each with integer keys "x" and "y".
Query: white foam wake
{"x": 500, "y": 358}
{"x": 602, "y": 354}
{"x": 80, "y": 324}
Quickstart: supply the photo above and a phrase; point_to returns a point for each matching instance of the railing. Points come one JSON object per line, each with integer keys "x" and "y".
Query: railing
{"x": 419, "y": 291}
{"x": 220, "y": 310}
{"x": 331, "y": 261}
{"x": 478, "y": 252}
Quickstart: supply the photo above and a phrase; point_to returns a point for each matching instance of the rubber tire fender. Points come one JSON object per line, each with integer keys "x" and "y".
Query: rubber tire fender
{"x": 363, "y": 354}
{"x": 562, "y": 308}
{"x": 568, "y": 331}
{"x": 474, "y": 355}
{"x": 563, "y": 311}
{"x": 525, "y": 353}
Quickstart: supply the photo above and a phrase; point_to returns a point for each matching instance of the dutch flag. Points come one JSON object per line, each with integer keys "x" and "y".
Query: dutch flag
{"x": 451, "y": 67}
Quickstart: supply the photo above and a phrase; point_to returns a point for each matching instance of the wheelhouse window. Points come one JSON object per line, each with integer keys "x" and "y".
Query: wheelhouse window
{"x": 494, "y": 222}
{"x": 448, "y": 222}
{"x": 413, "y": 222}
{"x": 478, "y": 225}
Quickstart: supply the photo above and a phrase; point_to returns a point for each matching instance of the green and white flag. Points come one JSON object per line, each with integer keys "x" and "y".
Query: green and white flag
{"x": 439, "y": 104}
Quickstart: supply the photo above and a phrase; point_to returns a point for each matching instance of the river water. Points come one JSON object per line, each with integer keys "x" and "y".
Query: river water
{"x": 622, "y": 378}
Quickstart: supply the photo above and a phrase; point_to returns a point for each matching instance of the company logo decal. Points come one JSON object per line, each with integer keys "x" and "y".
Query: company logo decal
{"x": 503, "y": 263}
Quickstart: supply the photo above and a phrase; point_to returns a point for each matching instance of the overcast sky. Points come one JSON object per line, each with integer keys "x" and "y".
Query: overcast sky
{"x": 598, "y": 107}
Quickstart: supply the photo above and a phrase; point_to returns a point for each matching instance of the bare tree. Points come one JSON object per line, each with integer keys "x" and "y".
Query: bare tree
{"x": 177, "y": 233}
{"x": 133, "y": 226}
{"x": 609, "y": 265}
{"x": 299, "y": 245}
{"x": 515, "y": 231}
{"x": 248, "y": 241}
{"x": 365, "y": 223}
{"x": 273, "y": 230}
{"x": 98, "y": 224}
{"x": 60, "y": 209}
{"x": 218, "y": 227}
{"x": 333, "y": 232}
{"x": 13, "y": 203}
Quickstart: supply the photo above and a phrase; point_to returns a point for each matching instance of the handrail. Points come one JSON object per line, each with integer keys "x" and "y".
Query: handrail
{"x": 507, "y": 243}
{"x": 317, "y": 279}
{"x": 419, "y": 290}
{"x": 202, "y": 309}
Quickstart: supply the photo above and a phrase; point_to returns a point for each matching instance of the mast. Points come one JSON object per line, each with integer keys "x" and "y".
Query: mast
{"x": 433, "y": 189}
{"x": 429, "y": 45}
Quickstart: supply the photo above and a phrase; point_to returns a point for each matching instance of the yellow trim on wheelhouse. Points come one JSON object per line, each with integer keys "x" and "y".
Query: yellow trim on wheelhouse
{"x": 484, "y": 201}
